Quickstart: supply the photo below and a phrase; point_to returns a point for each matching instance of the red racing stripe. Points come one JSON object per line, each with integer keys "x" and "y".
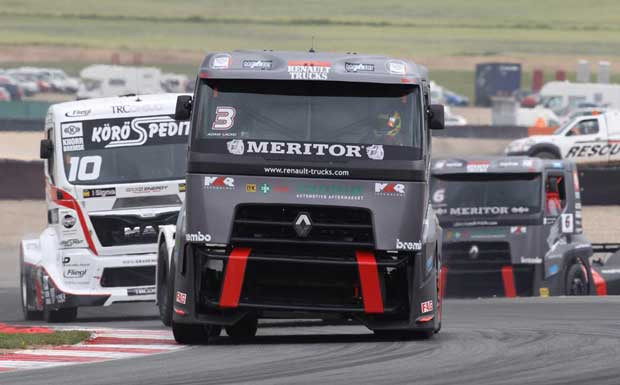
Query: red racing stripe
{"x": 599, "y": 283}
{"x": 129, "y": 341}
{"x": 46, "y": 358}
{"x": 369, "y": 277}
{"x": 443, "y": 281}
{"x": 95, "y": 348}
{"x": 233, "y": 280}
{"x": 509, "y": 281}
{"x": 6, "y": 369}
{"x": 63, "y": 198}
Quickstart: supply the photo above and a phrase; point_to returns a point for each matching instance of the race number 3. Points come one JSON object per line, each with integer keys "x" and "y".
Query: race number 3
{"x": 85, "y": 168}
{"x": 224, "y": 118}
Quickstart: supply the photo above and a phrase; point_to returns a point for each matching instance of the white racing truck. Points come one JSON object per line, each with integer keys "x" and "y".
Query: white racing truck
{"x": 114, "y": 172}
{"x": 593, "y": 139}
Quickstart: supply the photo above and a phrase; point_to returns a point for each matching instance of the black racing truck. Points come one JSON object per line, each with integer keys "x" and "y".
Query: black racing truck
{"x": 512, "y": 227}
{"x": 307, "y": 196}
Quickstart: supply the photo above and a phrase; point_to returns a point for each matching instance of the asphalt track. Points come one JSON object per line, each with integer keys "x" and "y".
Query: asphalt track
{"x": 494, "y": 341}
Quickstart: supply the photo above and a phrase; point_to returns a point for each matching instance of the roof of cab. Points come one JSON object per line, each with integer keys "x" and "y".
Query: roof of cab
{"x": 495, "y": 164}
{"x": 283, "y": 65}
{"x": 117, "y": 106}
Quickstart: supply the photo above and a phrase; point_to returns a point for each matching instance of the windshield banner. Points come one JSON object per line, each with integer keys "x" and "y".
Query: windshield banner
{"x": 311, "y": 151}
{"x": 123, "y": 132}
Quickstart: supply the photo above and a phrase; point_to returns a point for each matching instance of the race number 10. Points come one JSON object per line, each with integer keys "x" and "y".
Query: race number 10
{"x": 85, "y": 168}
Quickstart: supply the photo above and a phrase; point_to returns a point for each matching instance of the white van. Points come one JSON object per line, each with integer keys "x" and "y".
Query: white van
{"x": 111, "y": 80}
{"x": 564, "y": 96}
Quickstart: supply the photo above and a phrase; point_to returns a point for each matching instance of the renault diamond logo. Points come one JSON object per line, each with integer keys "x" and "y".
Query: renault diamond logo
{"x": 303, "y": 225}
{"x": 473, "y": 252}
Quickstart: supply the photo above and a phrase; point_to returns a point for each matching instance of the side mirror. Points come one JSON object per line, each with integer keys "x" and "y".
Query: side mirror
{"x": 436, "y": 118}
{"x": 47, "y": 149}
{"x": 184, "y": 108}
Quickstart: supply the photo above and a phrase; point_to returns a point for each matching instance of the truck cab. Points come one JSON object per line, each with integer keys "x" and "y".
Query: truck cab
{"x": 512, "y": 227}
{"x": 114, "y": 173}
{"x": 307, "y": 196}
{"x": 593, "y": 139}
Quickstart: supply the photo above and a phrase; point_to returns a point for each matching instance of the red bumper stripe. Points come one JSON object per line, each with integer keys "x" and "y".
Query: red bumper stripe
{"x": 509, "y": 281}
{"x": 233, "y": 280}
{"x": 599, "y": 283}
{"x": 443, "y": 281}
{"x": 369, "y": 277}
{"x": 69, "y": 202}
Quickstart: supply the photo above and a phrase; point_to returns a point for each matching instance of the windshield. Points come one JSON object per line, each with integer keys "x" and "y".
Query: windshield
{"x": 124, "y": 150}
{"x": 486, "y": 194}
{"x": 289, "y": 118}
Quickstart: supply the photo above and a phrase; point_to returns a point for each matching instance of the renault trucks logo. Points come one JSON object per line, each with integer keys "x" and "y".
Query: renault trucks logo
{"x": 239, "y": 147}
{"x": 474, "y": 251}
{"x": 303, "y": 225}
{"x": 309, "y": 70}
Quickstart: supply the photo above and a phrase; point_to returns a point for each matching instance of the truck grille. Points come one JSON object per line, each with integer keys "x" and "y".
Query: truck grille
{"x": 273, "y": 227}
{"x": 123, "y": 230}
{"x": 489, "y": 255}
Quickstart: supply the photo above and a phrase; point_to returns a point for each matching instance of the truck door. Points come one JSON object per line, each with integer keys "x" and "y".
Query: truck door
{"x": 586, "y": 141}
{"x": 612, "y": 119}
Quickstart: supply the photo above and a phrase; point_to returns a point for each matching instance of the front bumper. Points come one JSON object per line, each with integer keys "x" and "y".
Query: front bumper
{"x": 81, "y": 278}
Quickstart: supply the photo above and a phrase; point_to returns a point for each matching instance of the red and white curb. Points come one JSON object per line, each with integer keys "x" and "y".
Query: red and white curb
{"x": 103, "y": 345}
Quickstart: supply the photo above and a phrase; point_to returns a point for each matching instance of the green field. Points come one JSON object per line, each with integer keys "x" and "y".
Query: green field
{"x": 404, "y": 28}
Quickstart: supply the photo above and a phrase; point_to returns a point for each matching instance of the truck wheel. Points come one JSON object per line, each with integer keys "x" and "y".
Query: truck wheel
{"x": 68, "y": 314}
{"x": 576, "y": 279}
{"x": 165, "y": 287}
{"x": 244, "y": 329}
{"x": 545, "y": 155}
{"x": 194, "y": 334}
{"x": 29, "y": 315}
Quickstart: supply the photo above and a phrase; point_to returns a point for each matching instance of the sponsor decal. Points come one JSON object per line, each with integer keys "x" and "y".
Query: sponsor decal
{"x": 66, "y": 260}
{"x": 135, "y": 108}
{"x": 197, "y": 237}
{"x": 409, "y": 246}
{"x": 519, "y": 210}
{"x": 567, "y": 223}
{"x": 219, "y": 183}
{"x": 221, "y": 62}
{"x": 330, "y": 192}
{"x": 72, "y": 136}
{"x": 141, "y": 291}
{"x": 240, "y": 147}
{"x": 531, "y": 261}
{"x": 397, "y": 67}
{"x": 137, "y": 132}
{"x": 492, "y": 210}
{"x": 182, "y": 187}
{"x": 72, "y": 273}
{"x": 71, "y": 243}
{"x": 77, "y": 113}
{"x": 265, "y": 188}
{"x": 478, "y": 166}
{"x": 138, "y": 231}
{"x": 281, "y": 189}
{"x": 439, "y": 164}
{"x": 439, "y": 195}
{"x": 140, "y": 261}
{"x": 610, "y": 271}
{"x": 390, "y": 189}
{"x": 359, "y": 67}
{"x": 257, "y": 64}
{"x": 553, "y": 269}
{"x": 543, "y": 291}
{"x": 99, "y": 192}
{"x": 224, "y": 118}
{"x": 309, "y": 70}
{"x": 587, "y": 151}
{"x": 250, "y": 187}
{"x": 518, "y": 229}
{"x": 475, "y": 223}
{"x": 68, "y": 221}
{"x": 146, "y": 189}
{"x": 508, "y": 163}
{"x": 441, "y": 211}
{"x": 529, "y": 163}
{"x": 426, "y": 306}
{"x": 181, "y": 297}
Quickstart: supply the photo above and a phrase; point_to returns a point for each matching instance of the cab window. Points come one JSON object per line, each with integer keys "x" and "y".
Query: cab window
{"x": 555, "y": 195}
{"x": 585, "y": 127}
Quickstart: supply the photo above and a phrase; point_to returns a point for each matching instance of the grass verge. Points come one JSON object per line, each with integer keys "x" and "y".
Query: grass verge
{"x": 22, "y": 341}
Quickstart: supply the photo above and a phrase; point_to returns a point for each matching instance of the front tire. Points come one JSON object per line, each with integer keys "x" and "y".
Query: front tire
{"x": 67, "y": 314}
{"x": 187, "y": 334}
{"x": 29, "y": 315}
{"x": 165, "y": 286}
{"x": 577, "y": 279}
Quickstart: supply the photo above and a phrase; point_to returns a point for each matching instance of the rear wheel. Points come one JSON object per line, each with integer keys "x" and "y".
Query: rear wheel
{"x": 244, "y": 328}
{"x": 29, "y": 315}
{"x": 577, "y": 279}
{"x": 165, "y": 286}
{"x": 194, "y": 334}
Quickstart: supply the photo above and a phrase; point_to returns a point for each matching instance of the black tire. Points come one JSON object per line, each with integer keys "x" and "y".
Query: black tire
{"x": 576, "y": 279}
{"x": 405, "y": 334}
{"x": 244, "y": 328}
{"x": 545, "y": 155}
{"x": 439, "y": 300}
{"x": 67, "y": 314}
{"x": 194, "y": 334}
{"x": 165, "y": 287}
{"x": 29, "y": 315}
